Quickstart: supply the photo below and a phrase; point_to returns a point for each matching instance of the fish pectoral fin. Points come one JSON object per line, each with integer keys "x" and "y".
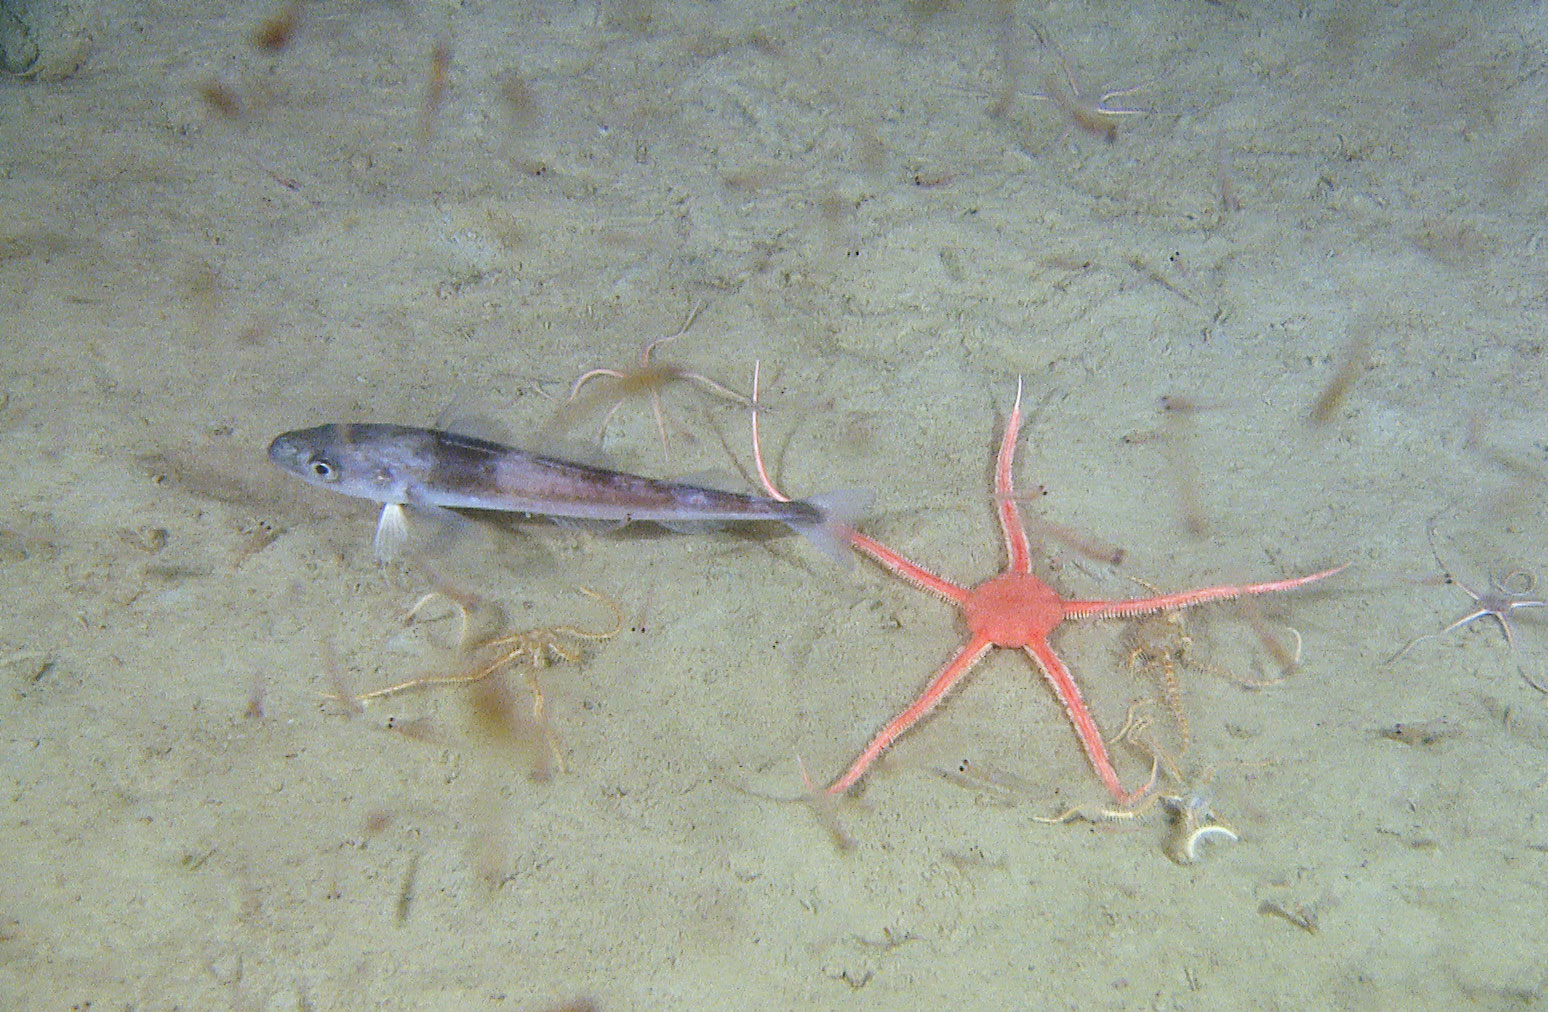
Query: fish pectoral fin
{"x": 391, "y": 532}
{"x": 392, "y": 528}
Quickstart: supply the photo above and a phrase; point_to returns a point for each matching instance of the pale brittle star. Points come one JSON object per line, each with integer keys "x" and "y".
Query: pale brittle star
{"x": 1498, "y": 602}
{"x": 651, "y": 377}
{"x": 1190, "y": 813}
{"x": 1094, "y": 117}
{"x": 1098, "y": 117}
{"x": 1016, "y": 610}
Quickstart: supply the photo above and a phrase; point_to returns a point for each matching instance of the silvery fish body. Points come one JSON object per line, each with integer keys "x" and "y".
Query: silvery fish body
{"x": 401, "y": 466}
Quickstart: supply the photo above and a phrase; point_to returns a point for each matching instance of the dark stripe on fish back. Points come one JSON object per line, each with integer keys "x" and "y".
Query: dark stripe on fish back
{"x": 467, "y": 464}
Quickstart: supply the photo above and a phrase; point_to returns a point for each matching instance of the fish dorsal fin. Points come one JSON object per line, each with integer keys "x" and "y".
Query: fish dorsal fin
{"x": 575, "y": 452}
{"x": 475, "y": 426}
{"x": 718, "y": 481}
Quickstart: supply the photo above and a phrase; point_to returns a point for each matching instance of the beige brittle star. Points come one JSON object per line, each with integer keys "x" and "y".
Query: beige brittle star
{"x": 532, "y": 649}
{"x": 651, "y": 377}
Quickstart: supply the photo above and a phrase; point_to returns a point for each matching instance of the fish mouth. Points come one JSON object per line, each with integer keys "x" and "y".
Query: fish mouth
{"x": 288, "y": 453}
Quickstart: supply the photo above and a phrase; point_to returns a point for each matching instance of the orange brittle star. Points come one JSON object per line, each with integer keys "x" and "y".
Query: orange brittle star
{"x": 1016, "y": 610}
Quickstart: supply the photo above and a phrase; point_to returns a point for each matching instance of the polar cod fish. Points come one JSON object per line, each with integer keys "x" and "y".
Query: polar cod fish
{"x": 403, "y": 467}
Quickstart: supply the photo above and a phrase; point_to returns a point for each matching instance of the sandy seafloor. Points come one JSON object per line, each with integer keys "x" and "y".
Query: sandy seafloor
{"x": 1316, "y": 193}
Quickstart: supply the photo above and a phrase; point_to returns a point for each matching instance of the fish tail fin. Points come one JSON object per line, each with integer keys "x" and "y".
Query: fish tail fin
{"x": 841, "y": 512}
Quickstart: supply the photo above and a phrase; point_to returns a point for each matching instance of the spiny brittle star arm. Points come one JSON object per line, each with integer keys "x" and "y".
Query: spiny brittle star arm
{"x": 1189, "y": 598}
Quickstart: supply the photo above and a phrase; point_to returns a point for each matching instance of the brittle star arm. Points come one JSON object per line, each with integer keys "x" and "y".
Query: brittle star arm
{"x": 880, "y": 553}
{"x": 1499, "y": 616}
{"x": 1501, "y": 607}
{"x": 1189, "y": 598}
{"x": 904, "y": 569}
{"x": 939, "y": 686}
{"x": 1064, "y": 687}
{"x": 1018, "y": 551}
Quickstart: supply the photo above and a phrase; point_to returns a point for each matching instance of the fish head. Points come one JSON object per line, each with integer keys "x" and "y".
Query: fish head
{"x": 366, "y": 461}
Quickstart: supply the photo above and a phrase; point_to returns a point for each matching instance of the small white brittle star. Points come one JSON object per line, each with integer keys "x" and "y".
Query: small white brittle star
{"x": 1498, "y": 601}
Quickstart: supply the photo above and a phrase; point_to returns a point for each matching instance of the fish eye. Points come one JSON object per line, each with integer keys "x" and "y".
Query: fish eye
{"x": 322, "y": 469}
